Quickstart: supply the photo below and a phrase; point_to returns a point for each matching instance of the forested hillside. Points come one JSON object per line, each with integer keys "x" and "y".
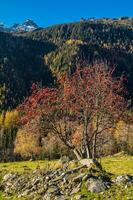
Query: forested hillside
{"x": 109, "y": 41}
{"x": 37, "y": 56}
{"x": 21, "y": 64}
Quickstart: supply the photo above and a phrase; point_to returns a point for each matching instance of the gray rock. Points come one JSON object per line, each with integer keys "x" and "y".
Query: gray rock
{"x": 46, "y": 197}
{"x": 25, "y": 193}
{"x": 75, "y": 190}
{"x": 96, "y": 185}
{"x": 123, "y": 179}
{"x": 87, "y": 162}
{"x": 79, "y": 177}
{"x": 57, "y": 179}
{"x": 91, "y": 164}
{"x": 9, "y": 177}
{"x": 62, "y": 197}
{"x": 53, "y": 190}
{"x": 79, "y": 196}
{"x": 41, "y": 190}
{"x": 35, "y": 181}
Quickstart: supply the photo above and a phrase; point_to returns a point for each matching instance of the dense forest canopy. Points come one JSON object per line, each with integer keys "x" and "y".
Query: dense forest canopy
{"x": 21, "y": 64}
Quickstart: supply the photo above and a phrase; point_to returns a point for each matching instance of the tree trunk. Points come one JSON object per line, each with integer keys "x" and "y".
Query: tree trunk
{"x": 85, "y": 138}
{"x": 77, "y": 154}
{"x": 94, "y": 147}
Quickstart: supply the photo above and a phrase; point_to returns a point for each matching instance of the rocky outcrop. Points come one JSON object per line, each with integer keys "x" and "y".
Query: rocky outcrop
{"x": 59, "y": 184}
{"x": 53, "y": 184}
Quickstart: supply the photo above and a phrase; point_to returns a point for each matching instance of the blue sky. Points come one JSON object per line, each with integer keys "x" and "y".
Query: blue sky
{"x": 49, "y": 12}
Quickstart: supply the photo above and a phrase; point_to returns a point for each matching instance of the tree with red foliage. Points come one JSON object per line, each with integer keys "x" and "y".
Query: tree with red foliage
{"x": 83, "y": 107}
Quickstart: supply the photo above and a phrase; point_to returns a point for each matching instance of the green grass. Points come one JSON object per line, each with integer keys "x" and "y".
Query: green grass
{"x": 114, "y": 193}
{"x": 22, "y": 166}
{"x": 2, "y": 197}
{"x": 116, "y": 165}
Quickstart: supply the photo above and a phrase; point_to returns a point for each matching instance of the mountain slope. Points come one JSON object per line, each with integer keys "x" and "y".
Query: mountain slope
{"x": 30, "y": 57}
{"x": 21, "y": 64}
{"x": 110, "y": 41}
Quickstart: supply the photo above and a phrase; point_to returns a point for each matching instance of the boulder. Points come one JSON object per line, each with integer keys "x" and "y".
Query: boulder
{"x": 91, "y": 164}
{"x": 9, "y": 176}
{"x": 87, "y": 162}
{"x": 96, "y": 185}
{"x": 53, "y": 190}
{"x": 124, "y": 179}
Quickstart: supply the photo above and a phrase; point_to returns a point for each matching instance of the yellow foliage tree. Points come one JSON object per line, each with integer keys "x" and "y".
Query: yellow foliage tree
{"x": 26, "y": 144}
{"x": 10, "y": 118}
{"x": 8, "y": 130}
{"x": 73, "y": 41}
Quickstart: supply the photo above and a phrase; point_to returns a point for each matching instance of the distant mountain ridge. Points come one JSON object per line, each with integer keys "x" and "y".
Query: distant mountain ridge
{"x": 28, "y": 25}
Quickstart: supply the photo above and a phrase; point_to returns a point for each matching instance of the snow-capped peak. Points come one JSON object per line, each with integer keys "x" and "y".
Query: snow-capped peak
{"x": 28, "y": 25}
